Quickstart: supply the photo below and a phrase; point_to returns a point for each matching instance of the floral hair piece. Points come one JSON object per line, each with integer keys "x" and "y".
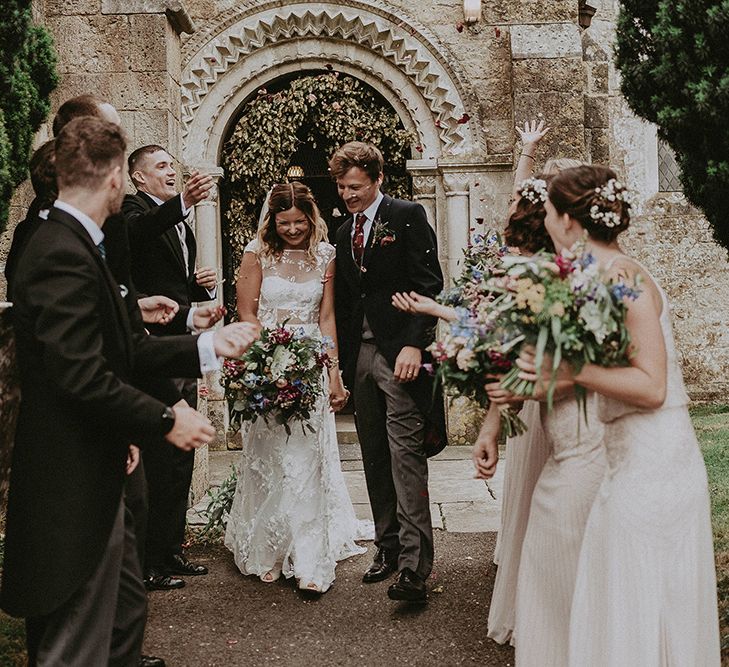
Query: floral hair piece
{"x": 534, "y": 189}
{"x": 612, "y": 191}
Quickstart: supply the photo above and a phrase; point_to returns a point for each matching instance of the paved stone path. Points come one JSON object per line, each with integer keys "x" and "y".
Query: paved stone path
{"x": 459, "y": 503}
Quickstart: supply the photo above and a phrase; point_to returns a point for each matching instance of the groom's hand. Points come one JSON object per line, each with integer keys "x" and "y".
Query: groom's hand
{"x": 407, "y": 364}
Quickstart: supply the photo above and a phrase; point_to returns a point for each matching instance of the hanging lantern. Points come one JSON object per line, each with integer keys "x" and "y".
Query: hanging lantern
{"x": 295, "y": 173}
{"x": 472, "y": 11}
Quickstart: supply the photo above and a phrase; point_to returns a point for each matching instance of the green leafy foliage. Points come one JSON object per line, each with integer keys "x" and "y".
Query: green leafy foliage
{"x": 674, "y": 59}
{"x": 320, "y": 111}
{"x": 27, "y": 78}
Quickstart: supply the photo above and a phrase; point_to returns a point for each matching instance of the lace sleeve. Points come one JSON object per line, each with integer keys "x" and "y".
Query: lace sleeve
{"x": 252, "y": 246}
{"x": 326, "y": 254}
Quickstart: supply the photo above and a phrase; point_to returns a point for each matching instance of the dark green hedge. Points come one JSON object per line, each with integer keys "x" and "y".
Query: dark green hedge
{"x": 674, "y": 59}
{"x": 27, "y": 77}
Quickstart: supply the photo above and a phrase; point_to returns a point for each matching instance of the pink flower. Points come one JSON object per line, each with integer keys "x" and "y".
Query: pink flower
{"x": 336, "y": 106}
{"x": 387, "y": 240}
{"x": 565, "y": 266}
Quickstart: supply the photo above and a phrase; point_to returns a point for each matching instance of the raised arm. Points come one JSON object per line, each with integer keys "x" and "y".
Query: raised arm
{"x": 530, "y": 136}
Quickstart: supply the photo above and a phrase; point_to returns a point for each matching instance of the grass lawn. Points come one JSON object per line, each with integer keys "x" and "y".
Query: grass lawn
{"x": 712, "y": 428}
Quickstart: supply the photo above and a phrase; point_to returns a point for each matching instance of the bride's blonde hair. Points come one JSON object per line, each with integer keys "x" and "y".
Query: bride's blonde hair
{"x": 284, "y": 197}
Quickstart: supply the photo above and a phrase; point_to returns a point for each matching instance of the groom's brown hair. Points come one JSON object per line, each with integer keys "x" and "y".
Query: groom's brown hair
{"x": 357, "y": 154}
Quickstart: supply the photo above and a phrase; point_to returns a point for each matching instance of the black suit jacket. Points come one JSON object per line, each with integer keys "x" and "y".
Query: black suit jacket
{"x": 76, "y": 356}
{"x": 410, "y": 262}
{"x": 22, "y": 233}
{"x": 157, "y": 261}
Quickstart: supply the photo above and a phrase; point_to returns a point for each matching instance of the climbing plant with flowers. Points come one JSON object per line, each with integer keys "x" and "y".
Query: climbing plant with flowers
{"x": 322, "y": 111}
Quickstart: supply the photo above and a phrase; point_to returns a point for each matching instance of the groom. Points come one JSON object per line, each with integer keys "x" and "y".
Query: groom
{"x": 387, "y": 246}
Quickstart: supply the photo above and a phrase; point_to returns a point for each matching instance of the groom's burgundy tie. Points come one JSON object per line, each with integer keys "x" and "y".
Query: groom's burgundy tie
{"x": 358, "y": 242}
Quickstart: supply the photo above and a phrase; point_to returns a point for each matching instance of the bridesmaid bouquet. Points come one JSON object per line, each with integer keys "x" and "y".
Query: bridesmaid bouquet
{"x": 472, "y": 349}
{"x": 279, "y": 378}
{"x": 481, "y": 260}
{"x": 563, "y": 306}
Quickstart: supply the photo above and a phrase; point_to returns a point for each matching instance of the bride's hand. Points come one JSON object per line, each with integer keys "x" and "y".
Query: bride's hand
{"x": 338, "y": 393}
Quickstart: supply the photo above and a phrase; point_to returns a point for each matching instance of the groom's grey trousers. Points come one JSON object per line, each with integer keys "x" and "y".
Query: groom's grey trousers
{"x": 391, "y": 429}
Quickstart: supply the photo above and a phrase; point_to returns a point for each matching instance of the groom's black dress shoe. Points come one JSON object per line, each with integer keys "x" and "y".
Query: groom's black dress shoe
{"x": 161, "y": 581}
{"x": 151, "y": 661}
{"x": 408, "y": 587}
{"x": 178, "y": 564}
{"x": 383, "y": 565}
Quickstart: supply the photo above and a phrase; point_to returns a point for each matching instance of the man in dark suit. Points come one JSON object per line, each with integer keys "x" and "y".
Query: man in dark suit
{"x": 70, "y": 561}
{"x": 387, "y": 246}
{"x": 163, "y": 253}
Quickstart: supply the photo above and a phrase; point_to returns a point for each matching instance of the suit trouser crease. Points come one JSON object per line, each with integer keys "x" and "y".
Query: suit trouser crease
{"x": 102, "y": 623}
{"x": 391, "y": 430}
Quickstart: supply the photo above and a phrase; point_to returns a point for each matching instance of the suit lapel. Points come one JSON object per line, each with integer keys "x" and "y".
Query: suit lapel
{"x": 170, "y": 236}
{"x": 381, "y": 219}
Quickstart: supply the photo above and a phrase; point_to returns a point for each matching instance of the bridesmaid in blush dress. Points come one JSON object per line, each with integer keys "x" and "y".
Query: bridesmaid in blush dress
{"x": 645, "y": 593}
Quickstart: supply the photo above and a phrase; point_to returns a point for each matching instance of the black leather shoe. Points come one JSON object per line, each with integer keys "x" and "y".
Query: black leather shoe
{"x": 151, "y": 661}
{"x": 178, "y": 564}
{"x": 408, "y": 587}
{"x": 383, "y": 565}
{"x": 161, "y": 581}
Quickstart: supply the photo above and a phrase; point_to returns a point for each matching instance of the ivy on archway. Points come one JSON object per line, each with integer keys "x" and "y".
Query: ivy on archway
{"x": 322, "y": 111}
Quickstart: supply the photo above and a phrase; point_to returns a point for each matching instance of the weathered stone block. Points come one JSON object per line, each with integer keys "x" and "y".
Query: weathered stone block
{"x": 139, "y": 90}
{"x": 596, "y": 111}
{"x": 91, "y": 43}
{"x": 551, "y": 40}
{"x": 564, "y": 112}
{"x": 71, "y": 7}
{"x": 464, "y": 421}
{"x": 598, "y": 78}
{"x": 498, "y": 11}
{"x": 150, "y": 127}
{"x": 592, "y": 50}
{"x": 597, "y": 142}
{"x": 148, "y": 48}
{"x": 547, "y": 75}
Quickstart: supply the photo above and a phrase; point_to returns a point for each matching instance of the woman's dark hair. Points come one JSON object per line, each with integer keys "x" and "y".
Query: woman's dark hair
{"x": 525, "y": 229}
{"x": 283, "y": 197}
{"x": 592, "y": 195}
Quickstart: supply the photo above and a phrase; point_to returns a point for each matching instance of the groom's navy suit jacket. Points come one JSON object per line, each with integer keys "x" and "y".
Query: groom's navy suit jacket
{"x": 77, "y": 354}
{"x": 410, "y": 262}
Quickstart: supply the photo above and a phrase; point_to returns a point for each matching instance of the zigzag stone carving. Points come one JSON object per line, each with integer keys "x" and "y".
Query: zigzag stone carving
{"x": 403, "y": 46}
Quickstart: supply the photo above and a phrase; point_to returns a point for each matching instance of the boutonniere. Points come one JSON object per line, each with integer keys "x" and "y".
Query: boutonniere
{"x": 382, "y": 235}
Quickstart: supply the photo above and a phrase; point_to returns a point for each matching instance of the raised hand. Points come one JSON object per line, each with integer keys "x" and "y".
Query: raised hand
{"x": 531, "y": 135}
{"x": 206, "y": 277}
{"x": 234, "y": 339}
{"x": 407, "y": 364}
{"x": 157, "y": 309}
{"x": 205, "y": 317}
{"x": 196, "y": 189}
{"x": 417, "y": 304}
{"x": 190, "y": 429}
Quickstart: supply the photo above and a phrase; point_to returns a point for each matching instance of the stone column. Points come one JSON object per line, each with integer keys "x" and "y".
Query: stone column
{"x": 458, "y": 218}
{"x": 210, "y": 253}
{"x": 424, "y": 193}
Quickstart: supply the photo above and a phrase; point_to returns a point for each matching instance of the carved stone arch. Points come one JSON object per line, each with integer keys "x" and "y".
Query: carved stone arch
{"x": 409, "y": 67}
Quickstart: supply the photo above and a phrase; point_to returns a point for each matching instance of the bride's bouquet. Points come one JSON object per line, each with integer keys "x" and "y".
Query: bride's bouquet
{"x": 563, "y": 306}
{"x": 279, "y": 378}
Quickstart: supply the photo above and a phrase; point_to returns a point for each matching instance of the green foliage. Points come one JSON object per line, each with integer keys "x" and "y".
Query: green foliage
{"x": 218, "y": 510}
{"x": 27, "y": 77}
{"x": 319, "y": 111}
{"x": 674, "y": 59}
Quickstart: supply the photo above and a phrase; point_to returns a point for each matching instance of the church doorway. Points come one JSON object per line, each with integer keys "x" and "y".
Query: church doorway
{"x": 287, "y": 131}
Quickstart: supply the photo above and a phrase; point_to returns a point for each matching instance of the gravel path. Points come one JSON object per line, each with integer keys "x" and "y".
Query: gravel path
{"x": 224, "y": 619}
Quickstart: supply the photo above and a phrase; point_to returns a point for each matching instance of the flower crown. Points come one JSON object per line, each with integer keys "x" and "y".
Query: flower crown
{"x": 612, "y": 191}
{"x": 534, "y": 189}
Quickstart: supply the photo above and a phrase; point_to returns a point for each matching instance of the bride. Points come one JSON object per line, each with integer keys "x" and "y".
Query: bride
{"x": 292, "y": 513}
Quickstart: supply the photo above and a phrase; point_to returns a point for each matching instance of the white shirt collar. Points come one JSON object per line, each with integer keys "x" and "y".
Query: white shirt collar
{"x": 156, "y": 200}
{"x": 93, "y": 230}
{"x": 371, "y": 210}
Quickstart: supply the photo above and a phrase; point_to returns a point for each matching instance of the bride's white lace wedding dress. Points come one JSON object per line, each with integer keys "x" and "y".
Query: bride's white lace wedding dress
{"x": 291, "y": 508}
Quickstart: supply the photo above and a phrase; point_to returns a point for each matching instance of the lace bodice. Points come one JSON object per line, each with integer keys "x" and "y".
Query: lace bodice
{"x": 292, "y": 285}
{"x": 610, "y": 409}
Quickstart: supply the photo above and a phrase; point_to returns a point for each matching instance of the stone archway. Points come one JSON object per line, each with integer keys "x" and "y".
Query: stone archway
{"x": 242, "y": 49}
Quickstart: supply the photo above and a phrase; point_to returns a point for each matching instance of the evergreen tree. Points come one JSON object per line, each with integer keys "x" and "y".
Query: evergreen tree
{"x": 674, "y": 59}
{"x": 27, "y": 77}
